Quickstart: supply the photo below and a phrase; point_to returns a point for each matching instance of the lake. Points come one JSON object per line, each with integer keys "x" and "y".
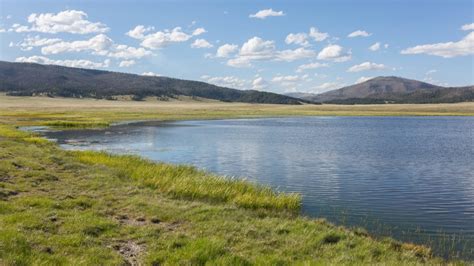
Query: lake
{"x": 408, "y": 177}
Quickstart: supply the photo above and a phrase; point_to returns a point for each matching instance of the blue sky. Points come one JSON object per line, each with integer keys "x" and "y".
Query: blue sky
{"x": 280, "y": 46}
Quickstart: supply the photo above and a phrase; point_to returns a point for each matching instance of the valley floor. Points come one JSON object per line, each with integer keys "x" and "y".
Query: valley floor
{"x": 91, "y": 208}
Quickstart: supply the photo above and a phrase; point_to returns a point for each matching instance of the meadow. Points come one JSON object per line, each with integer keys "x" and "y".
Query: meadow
{"x": 87, "y": 208}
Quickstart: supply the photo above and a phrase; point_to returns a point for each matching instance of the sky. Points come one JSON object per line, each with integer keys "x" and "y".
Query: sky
{"x": 278, "y": 46}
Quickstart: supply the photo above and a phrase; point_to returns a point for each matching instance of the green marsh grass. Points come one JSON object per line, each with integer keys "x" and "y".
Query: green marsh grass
{"x": 187, "y": 182}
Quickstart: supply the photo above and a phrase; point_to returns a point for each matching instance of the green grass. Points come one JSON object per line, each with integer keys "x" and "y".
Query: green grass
{"x": 86, "y": 208}
{"x": 75, "y": 124}
{"x": 90, "y": 208}
{"x": 186, "y": 182}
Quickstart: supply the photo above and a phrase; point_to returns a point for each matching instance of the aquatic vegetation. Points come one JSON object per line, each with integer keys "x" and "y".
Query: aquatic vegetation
{"x": 181, "y": 181}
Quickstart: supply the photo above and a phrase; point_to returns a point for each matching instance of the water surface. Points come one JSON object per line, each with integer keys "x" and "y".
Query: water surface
{"x": 408, "y": 177}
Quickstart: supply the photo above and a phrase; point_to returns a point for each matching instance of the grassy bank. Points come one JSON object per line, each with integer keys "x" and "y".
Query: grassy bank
{"x": 61, "y": 207}
{"x": 92, "y": 208}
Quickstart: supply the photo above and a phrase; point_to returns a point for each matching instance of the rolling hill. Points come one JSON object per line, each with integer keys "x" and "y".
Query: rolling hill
{"x": 28, "y": 79}
{"x": 392, "y": 90}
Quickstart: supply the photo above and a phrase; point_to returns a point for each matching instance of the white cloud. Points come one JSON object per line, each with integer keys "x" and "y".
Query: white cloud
{"x": 311, "y": 66}
{"x": 366, "y": 66}
{"x": 127, "y": 63}
{"x": 257, "y": 49}
{"x": 70, "y": 63}
{"x": 227, "y": 81}
{"x": 359, "y": 33}
{"x": 446, "y": 49}
{"x": 317, "y": 35}
{"x": 297, "y": 38}
{"x": 30, "y": 42}
{"x": 199, "y": 31}
{"x": 2, "y": 30}
{"x": 127, "y": 52}
{"x": 335, "y": 53}
{"x": 363, "y": 79}
{"x": 468, "y": 27}
{"x": 226, "y": 50}
{"x": 328, "y": 86}
{"x": 431, "y": 71}
{"x": 160, "y": 39}
{"x": 201, "y": 43}
{"x": 286, "y": 79}
{"x": 374, "y": 47}
{"x": 139, "y": 31}
{"x": 99, "y": 45}
{"x": 296, "y": 54}
{"x": 385, "y": 46}
{"x": 70, "y": 21}
{"x": 151, "y": 74}
{"x": 259, "y": 84}
{"x": 263, "y": 14}
{"x": 254, "y": 49}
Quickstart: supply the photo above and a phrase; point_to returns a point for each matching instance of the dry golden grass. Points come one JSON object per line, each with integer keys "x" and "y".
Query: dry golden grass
{"x": 40, "y": 110}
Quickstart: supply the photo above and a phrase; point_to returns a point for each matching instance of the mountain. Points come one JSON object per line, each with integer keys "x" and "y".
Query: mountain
{"x": 27, "y": 79}
{"x": 393, "y": 90}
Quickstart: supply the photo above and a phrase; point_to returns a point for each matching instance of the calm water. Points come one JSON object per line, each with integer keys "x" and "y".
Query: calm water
{"x": 408, "y": 177}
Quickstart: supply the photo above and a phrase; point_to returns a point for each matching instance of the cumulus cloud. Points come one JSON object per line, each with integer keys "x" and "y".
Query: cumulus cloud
{"x": 304, "y": 67}
{"x": 30, "y": 42}
{"x": 374, "y": 47}
{"x": 70, "y": 63}
{"x": 447, "y": 49}
{"x": 366, "y": 66}
{"x": 201, "y": 43}
{"x": 359, "y": 33}
{"x": 199, "y": 31}
{"x": 70, "y": 21}
{"x": 335, "y": 53}
{"x": 303, "y": 38}
{"x": 259, "y": 84}
{"x": 296, "y": 54}
{"x": 254, "y": 49}
{"x": 328, "y": 86}
{"x": 227, "y": 81}
{"x": 468, "y": 27}
{"x": 139, "y": 31}
{"x": 160, "y": 39}
{"x": 257, "y": 49}
{"x": 226, "y": 50}
{"x": 317, "y": 35}
{"x": 431, "y": 71}
{"x": 127, "y": 63}
{"x": 286, "y": 79}
{"x": 97, "y": 43}
{"x": 297, "y": 38}
{"x": 151, "y": 74}
{"x": 263, "y": 14}
{"x": 100, "y": 45}
{"x": 363, "y": 79}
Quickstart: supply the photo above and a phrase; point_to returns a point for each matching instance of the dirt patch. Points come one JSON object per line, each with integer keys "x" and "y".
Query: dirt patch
{"x": 130, "y": 251}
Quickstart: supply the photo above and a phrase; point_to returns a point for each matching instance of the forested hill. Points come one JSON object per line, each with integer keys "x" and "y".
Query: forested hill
{"x": 392, "y": 90}
{"x": 28, "y": 79}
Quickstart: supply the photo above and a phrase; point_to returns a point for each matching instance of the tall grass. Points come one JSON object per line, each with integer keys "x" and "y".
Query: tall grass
{"x": 76, "y": 124}
{"x": 187, "y": 182}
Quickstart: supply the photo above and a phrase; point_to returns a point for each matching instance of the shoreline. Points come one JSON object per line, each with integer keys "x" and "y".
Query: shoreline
{"x": 279, "y": 228}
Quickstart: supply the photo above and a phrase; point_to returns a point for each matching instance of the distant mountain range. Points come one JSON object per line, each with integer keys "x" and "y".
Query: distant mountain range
{"x": 391, "y": 90}
{"x": 28, "y": 79}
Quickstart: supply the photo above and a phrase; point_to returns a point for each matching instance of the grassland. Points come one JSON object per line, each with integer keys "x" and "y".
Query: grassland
{"x": 90, "y": 208}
